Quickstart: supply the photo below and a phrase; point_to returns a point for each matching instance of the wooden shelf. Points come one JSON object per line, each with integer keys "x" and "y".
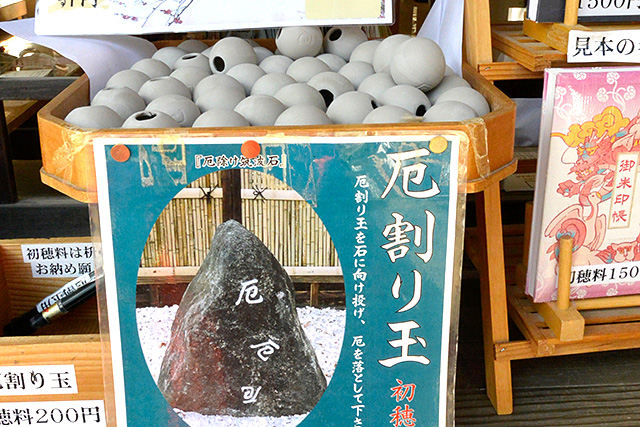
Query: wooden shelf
{"x": 534, "y": 47}
{"x": 612, "y": 329}
{"x": 533, "y": 55}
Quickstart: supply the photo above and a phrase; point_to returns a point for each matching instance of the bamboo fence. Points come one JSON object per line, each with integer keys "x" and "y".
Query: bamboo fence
{"x": 274, "y": 212}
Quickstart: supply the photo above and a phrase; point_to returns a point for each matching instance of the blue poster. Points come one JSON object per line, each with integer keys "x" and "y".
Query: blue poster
{"x": 390, "y": 205}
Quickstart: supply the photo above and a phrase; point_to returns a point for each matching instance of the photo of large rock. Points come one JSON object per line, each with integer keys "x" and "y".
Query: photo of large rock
{"x": 237, "y": 347}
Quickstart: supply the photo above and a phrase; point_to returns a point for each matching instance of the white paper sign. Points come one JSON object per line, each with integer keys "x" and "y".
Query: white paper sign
{"x": 79, "y": 17}
{"x": 60, "y": 414}
{"x": 59, "y": 259}
{"x": 603, "y": 46}
{"x": 37, "y": 380}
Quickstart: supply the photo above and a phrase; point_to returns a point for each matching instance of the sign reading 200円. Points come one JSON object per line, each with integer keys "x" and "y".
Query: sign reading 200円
{"x": 389, "y": 204}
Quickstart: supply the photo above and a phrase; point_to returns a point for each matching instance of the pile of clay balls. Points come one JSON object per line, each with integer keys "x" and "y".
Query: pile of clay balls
{"x": 313, "y": 78}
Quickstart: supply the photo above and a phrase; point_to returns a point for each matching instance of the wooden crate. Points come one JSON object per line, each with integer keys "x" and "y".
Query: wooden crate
{"x": 71, "y": 340}
{"x": 67, "y": 153}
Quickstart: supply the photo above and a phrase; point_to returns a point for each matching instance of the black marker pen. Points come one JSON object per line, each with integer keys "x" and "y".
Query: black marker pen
{"x": 55, "y": 305}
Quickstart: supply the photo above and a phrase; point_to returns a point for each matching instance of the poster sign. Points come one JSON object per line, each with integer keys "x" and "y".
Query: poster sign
{"x": 78, "y": 17}
{"x": 390, "y": 205}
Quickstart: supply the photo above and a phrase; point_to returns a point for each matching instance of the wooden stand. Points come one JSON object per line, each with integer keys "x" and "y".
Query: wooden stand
{"x": 567, "y": 327}
{"x": 603, "y": 329}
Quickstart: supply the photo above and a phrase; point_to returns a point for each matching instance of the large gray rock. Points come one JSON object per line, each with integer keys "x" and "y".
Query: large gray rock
{"x": 237, "y": 347}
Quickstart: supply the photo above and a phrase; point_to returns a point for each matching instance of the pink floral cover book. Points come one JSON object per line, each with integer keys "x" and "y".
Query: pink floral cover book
{"x": 587, "y": 183}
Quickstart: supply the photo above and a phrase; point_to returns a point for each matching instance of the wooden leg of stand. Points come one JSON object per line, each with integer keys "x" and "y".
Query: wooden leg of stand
{"x": 494, "y": 297}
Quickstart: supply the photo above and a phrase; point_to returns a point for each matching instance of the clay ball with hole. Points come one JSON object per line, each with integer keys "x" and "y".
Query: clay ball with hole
{"x": 408, "y": 97}
{"x": 300, "y": 94}
{"x": 182, "y": 110}
{"x": 331, "y": 85}
{"x": 343, "y": 40}
{"x": 229, "y": 52}
{"x": 169, "y": 55}
{"x": 192, "y": 60}
{"x": 150, "y": 120}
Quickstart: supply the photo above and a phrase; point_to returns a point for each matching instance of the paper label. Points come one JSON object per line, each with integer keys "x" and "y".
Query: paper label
{"x": 37, "y": 380}
{"x": 603, "y": 46}
{"x": 59, "y": 259}
{"x": 59, "y": 414}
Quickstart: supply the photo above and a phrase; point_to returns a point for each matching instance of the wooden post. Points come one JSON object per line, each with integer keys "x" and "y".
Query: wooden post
{"x": 314, "y": 291}
{"x": 571, "y": 12}
{"x": 477, "y": 33}
{"x": 493, "y": 295}
{"x": 564, "y": 271}
{"x": 8, "y": 192}
{"x": 231, "y": 195}
{"x": 561, "y": 316}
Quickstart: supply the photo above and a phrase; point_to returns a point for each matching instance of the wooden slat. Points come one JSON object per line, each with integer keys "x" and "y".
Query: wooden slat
{"x": 533, "y": 55}
{"x": 495, "y": 71}
{"x": 615, "y": 329}
{"x": 151, "y": 275}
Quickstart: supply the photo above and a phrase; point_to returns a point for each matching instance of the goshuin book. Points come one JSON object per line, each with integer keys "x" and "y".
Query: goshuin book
{"x": 587, "y": 183}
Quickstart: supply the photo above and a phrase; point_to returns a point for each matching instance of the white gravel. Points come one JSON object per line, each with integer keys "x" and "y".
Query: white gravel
{"x": 324, "y": 328}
